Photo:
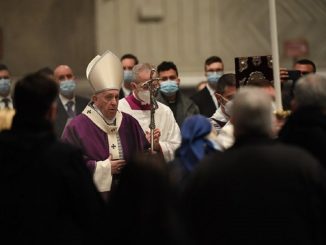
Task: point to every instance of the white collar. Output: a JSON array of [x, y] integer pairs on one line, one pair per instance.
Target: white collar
[[108, 121], [64, 100]]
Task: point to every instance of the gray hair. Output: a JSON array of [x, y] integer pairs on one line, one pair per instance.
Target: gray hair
[[251, 112], [140, 68], [310, 90]]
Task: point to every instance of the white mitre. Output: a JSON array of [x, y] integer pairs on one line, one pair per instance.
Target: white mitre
[[105, 72]]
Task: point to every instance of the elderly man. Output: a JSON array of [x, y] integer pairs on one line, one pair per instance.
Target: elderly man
[[107, 136], [69, 104], [138, 105], [258, 191], [306, 126]]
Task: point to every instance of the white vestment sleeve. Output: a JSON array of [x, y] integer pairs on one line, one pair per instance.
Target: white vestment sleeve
[[170, 138], [102, 175], [225, 136]]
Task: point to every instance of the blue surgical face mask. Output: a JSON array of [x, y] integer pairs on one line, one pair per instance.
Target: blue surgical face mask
[[67, 87], [213, 77], [4, 86], [127, 76], [169, 87]]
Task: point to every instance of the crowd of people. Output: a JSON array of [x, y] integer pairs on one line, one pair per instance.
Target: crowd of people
[[140, 161]]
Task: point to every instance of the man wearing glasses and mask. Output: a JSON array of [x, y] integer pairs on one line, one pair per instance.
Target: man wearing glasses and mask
[[205, 98], [167, 133]]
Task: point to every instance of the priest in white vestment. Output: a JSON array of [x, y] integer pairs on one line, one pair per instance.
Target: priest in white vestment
[[137, 104]]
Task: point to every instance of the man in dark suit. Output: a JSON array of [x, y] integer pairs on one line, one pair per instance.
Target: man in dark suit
[[47, 193], [258, 191], [205, 99], [128, 62], [69, 104]]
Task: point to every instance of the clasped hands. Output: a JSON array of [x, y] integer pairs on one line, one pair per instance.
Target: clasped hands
[[156, 139]]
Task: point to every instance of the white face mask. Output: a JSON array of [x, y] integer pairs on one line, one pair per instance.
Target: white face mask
[[144, 95], [227, 107]]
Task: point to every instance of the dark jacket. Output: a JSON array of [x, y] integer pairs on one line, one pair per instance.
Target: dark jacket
[[257, 192], [204, 101], [62, 115], [306, 128], [184, 107], [47, 193]]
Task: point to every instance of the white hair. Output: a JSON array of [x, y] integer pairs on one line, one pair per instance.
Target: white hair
[[310, 90], [251, 112], [140, 68]]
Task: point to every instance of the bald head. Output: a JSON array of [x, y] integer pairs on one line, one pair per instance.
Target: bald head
[[62, 73], [65, 78]]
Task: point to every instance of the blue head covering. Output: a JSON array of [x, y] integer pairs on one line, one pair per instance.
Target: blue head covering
[[194, 145]]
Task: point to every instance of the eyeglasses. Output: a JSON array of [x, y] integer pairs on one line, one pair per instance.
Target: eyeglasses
[[165, 78]]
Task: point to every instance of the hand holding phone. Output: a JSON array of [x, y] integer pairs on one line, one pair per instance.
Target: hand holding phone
[[294, 75]]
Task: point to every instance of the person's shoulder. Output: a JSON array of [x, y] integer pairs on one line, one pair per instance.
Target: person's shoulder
[[128, 117], [200, 94], [79, 121], [279, 154], [6, 136], [123, 103], [162, 106], [61, 152], [296, 151], [123, 100], [186, 100], [63, 147]]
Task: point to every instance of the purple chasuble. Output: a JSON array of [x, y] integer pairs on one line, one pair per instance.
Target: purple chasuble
[[93, 141]]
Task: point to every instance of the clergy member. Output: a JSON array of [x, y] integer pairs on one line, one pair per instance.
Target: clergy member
[[138, 105], [107, 136]]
